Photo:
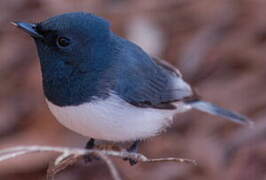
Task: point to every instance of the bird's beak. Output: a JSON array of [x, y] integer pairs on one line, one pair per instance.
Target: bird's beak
[[28, 28]]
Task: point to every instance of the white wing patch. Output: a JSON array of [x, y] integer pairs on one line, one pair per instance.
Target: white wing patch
[[114, 119]]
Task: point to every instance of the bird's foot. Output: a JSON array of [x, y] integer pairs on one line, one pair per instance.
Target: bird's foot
[[133, 148], [91, 145], [90, 157]]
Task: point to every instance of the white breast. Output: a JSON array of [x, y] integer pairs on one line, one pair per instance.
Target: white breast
[[114, 119]]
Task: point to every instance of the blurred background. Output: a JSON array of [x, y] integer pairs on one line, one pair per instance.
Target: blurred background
[[220, 46]]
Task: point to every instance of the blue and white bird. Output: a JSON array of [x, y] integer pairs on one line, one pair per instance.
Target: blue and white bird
[[105, 87]]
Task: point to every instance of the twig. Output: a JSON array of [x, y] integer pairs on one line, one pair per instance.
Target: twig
[[54, 168], [69, 156], [110, 165]]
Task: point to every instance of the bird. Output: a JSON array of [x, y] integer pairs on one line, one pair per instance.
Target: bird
[[105, 87]]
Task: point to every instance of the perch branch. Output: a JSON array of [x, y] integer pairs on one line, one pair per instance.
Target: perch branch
[[69, 156]]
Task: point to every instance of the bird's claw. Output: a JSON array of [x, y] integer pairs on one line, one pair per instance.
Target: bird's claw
[[89, 158], [132, 162], [133, 148]]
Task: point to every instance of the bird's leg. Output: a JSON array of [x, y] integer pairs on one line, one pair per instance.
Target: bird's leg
[[90, 145], [133, 148]]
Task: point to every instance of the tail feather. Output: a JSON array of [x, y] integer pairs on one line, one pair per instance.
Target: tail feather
[[218, 111]]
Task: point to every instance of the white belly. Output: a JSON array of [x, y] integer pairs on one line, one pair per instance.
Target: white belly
[[114, 119]]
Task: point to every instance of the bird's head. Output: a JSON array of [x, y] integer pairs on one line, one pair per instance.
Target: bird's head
[[74, 52], [67, 42]]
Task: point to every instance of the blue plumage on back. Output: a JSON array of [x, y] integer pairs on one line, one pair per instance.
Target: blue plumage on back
[[143, 82]]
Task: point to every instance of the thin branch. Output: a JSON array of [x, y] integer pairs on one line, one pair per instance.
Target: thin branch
[[69, 156], [12, 155], [110, 165], [54, 168]]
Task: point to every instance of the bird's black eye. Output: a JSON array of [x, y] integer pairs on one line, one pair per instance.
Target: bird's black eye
[[62, 41]]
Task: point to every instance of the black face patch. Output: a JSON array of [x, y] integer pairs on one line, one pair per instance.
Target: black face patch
[[49, 35]]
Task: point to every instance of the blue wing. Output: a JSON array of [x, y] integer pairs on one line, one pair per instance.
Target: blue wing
[[148, 82]]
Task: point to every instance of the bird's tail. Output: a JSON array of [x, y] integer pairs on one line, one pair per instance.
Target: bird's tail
[[219, 111]]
